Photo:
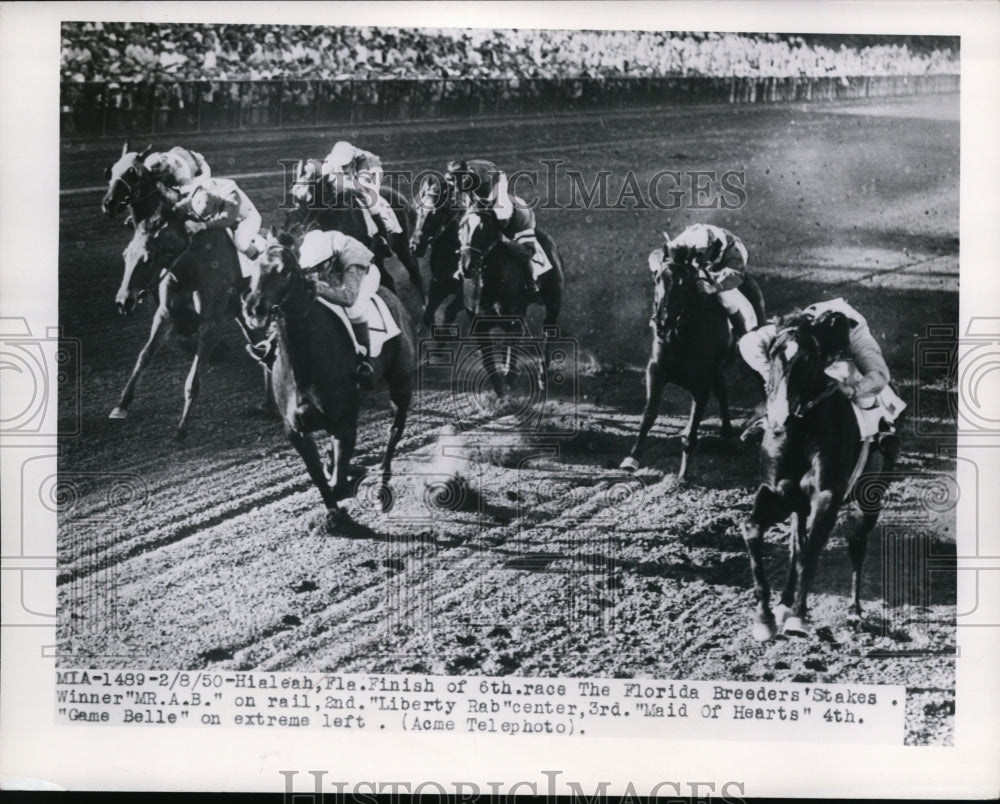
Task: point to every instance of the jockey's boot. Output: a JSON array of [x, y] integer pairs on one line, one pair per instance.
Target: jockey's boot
[[262, 352], [753, 433], [888, 441], [738, 324], [364, 371]]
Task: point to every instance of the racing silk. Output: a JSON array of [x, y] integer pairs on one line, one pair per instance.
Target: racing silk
[[872, 374], [863, 349], [487, 185], [225, 204], [718, 251], [178, 167], [347, 276], [362, 163]]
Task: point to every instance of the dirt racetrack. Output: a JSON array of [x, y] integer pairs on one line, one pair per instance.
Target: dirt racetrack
[[550, 562]]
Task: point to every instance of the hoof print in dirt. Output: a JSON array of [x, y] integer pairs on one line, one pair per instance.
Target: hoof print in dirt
[[290, 621], [216, 655], [304, 586]]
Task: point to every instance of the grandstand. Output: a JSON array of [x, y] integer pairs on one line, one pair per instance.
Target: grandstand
[[176, 77]]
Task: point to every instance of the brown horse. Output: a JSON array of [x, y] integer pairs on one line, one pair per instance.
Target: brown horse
[[495, 287], [436, 228], [811, 447], [195, 278], [313, 375], [319, 205], [691, 342]]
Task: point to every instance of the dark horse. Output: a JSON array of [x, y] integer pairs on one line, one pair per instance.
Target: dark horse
[[436, 227], [313, 375], [495, 284], [812, 445], [195, 277], [319, 205], [691, 342]]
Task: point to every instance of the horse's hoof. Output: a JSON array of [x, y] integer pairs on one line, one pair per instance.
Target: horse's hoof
[[630, 464], [118, 413], [796, 626], [181, 434], [782, 613], [386, 497], [764, 631]]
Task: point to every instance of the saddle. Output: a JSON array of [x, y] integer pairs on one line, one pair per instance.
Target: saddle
[[382, 327]]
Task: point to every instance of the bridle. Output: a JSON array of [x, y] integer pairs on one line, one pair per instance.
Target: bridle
[[131, 198], [804, 407]]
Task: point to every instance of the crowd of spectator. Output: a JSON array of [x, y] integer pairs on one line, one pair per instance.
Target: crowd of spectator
[[133, 52]]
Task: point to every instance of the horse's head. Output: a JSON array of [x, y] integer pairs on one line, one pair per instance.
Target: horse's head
[[128, 180], [277, 269], [795, 374], [431, 199], [675, 281], [478, 233], [152, 248], [307, 176]]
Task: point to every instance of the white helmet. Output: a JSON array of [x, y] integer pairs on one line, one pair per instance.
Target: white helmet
[[342, 155], [316, 248]]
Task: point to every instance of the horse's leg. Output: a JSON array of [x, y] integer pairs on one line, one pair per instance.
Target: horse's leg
[[208, 337], [722, 395], [401, 247], [768, 508], [400, 394], [655, 382], [305, 445], [689, 437], [796, 544], [822, 517], [857, 540], [550, 287], [435, 295], [157, 333], [457, 304], [344, 439], [488, 353]]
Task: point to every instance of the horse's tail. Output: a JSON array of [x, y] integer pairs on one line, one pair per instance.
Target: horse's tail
[[552, 251], [752, 291]]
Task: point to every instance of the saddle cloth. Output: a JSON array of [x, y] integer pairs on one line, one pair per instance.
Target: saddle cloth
[[868, 411], [540, 263], [381, 325]]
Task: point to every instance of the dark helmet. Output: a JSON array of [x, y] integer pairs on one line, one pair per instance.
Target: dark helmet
[[833, 332]]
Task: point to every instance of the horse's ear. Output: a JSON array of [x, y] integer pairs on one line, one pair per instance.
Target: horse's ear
[[274, 232], [125, 149], [146, 152], [107, 172]]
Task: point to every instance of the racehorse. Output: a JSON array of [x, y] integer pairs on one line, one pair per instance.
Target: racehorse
[[691, 342], [812, 449], [319, 205], [436, 228], [495, 287], [194, 277], [313, 374]]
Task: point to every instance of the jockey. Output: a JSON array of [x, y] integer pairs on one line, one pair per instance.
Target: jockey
[[177, 167], [346, 276], [215, 203], [721, 259], [843, 334], [353, 168], [487, 187]]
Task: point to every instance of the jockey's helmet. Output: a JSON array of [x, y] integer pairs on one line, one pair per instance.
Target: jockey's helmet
[[342, 155], [316, 248]]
